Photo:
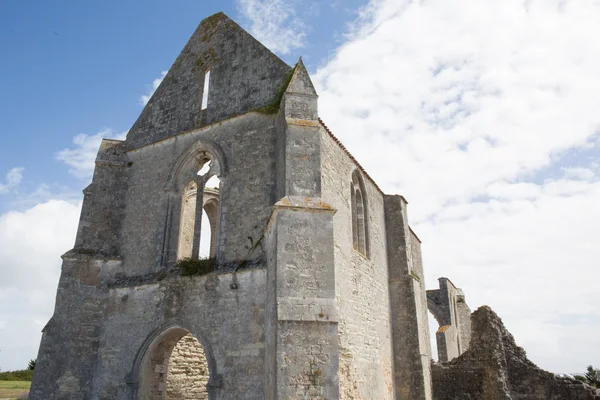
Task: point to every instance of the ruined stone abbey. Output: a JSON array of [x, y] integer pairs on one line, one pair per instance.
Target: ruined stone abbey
[[232, 248]]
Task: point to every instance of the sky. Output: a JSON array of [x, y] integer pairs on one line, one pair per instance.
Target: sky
[[485, 116]]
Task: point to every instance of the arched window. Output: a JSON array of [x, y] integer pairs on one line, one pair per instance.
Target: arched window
[[198, 239], [360, 220]]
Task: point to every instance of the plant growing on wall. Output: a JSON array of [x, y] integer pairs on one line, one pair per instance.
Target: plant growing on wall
[[192, 267]]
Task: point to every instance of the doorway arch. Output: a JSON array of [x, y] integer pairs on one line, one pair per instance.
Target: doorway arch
[[174, 364]]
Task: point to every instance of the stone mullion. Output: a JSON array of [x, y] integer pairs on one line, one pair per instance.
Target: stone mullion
[[200, 182]]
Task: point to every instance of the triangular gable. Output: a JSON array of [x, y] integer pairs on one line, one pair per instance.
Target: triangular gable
[[300, 82], [244, 75]]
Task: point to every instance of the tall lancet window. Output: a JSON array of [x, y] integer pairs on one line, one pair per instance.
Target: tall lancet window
[[360, 220], [199, 218], [205, 90]]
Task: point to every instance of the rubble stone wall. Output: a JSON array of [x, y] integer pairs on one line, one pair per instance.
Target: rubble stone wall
[[188, 371], [495, 368]]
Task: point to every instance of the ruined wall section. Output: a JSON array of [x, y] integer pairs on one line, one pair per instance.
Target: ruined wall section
[[361, 283], [246, 194], [104, 202], [68, 349], [463, 314], [448, 306], [495, 368], [244, 75], [224, 311]]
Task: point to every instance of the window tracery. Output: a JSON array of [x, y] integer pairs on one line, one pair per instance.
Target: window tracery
[[200, 200]]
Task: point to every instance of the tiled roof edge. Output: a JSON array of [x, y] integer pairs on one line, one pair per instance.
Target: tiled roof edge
[[335, 139]]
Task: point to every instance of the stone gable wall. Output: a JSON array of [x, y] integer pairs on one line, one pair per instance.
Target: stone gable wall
[[243, 75]]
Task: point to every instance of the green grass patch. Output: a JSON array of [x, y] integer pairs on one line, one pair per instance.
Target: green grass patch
[[14, 389], [193, 267], [18, 385]]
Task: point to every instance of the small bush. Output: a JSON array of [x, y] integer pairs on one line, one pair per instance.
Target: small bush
[[20, 375], [200, 266]]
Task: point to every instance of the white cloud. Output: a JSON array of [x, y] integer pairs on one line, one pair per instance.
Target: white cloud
[[13, 179], [467, 109], [81, 159], [275, 23], [31, 243], [145, 98]]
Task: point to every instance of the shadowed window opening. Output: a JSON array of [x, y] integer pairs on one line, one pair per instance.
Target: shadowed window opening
[[205, 90], [360, 220]]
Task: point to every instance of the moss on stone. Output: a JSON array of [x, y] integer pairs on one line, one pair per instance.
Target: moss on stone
[[196, 266], [415, 276], [210, 24], [274, 106]]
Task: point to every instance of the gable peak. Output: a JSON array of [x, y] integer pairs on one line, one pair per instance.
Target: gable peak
[[300, 82]]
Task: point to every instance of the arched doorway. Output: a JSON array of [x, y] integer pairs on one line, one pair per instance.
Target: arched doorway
[[174, 367]]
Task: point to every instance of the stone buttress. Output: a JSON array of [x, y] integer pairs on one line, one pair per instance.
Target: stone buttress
[[71, 339], [408, 305], [301, 317]]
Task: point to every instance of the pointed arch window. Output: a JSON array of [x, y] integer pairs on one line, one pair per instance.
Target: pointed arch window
[[200, 202], [360, 220]]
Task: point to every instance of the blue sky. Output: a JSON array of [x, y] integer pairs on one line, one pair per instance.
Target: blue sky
[[74, 67], [484, 116]]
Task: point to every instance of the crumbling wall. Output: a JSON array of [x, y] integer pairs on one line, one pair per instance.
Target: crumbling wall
[[448, 306], [495, 368], [188, 371]]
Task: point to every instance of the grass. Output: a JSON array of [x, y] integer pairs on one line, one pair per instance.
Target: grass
[[13, 389]]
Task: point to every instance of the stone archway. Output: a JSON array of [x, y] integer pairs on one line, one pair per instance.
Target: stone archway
[[175, 367]]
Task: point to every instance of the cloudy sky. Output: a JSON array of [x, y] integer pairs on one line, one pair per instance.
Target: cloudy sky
[[485, 116]]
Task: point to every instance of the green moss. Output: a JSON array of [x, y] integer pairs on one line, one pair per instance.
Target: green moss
[[314, 375], [87, 252], [209, 25], [415, 276], [193, 266], [274, 106]]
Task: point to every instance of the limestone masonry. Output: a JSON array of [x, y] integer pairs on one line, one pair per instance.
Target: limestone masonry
[[314, 285]]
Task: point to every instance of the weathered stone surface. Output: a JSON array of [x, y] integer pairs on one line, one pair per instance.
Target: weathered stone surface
[[495, 368]]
